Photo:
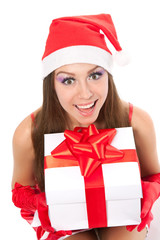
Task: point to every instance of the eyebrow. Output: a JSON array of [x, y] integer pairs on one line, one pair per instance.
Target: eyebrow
[[69, 73]]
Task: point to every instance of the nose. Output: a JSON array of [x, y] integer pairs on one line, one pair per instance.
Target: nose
[[85, 91]]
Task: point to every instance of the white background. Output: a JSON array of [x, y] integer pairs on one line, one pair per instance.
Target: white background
[[23, 31]]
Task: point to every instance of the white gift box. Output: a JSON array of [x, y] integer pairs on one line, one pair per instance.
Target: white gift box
[[65, 188]]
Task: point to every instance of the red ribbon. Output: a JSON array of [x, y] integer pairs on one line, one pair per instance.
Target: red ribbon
[[89, 149]]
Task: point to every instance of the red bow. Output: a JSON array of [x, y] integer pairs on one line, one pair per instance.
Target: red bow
[[86, 147], [91, 148]]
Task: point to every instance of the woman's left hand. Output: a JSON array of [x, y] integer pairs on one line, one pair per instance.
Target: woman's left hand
[[151, 192]]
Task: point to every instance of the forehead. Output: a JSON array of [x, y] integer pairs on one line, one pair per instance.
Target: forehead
[[76, 67]]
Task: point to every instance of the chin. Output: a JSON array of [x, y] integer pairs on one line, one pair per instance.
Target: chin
[[83, 122], [86, 123]]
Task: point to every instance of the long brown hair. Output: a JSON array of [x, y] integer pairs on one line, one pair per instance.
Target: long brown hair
[[52, 119]]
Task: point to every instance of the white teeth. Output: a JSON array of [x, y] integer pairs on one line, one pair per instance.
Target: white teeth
[[86, 106]]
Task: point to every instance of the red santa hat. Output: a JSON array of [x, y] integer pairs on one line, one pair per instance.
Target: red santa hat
[[79, 39]]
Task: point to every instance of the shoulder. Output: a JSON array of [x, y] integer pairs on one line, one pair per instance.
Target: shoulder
[[141, 121], [22, 135]]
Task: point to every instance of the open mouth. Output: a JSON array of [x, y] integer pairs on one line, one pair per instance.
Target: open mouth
[[86, 108]]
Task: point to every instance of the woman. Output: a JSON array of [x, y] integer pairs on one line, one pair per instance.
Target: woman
[[78, 90]]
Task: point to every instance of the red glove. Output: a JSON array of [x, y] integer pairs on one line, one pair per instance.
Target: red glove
[[151, 192], [32, 199]]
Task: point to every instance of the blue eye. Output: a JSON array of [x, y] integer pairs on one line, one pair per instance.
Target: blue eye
[[68, 81], [95, 75]]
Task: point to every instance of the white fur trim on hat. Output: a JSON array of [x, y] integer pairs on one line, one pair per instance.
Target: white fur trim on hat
[[77, 54]]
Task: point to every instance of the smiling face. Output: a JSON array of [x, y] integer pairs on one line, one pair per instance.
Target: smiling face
[[82, 90]]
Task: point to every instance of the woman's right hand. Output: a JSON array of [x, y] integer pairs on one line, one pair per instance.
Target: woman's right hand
[[42, 209]]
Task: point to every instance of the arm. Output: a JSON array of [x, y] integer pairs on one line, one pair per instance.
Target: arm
[[145, 140], [25, 194], [23, 154], [150, 168]]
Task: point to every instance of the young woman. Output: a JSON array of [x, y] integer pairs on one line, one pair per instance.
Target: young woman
[[78, 90]]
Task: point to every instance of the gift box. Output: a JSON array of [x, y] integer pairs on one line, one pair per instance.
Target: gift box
[[92, 178]]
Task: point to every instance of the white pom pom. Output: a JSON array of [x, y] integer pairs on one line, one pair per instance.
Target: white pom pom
[[122, 58]]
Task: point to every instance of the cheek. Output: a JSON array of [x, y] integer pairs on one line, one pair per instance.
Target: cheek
[[63, 96], [59, 92]]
